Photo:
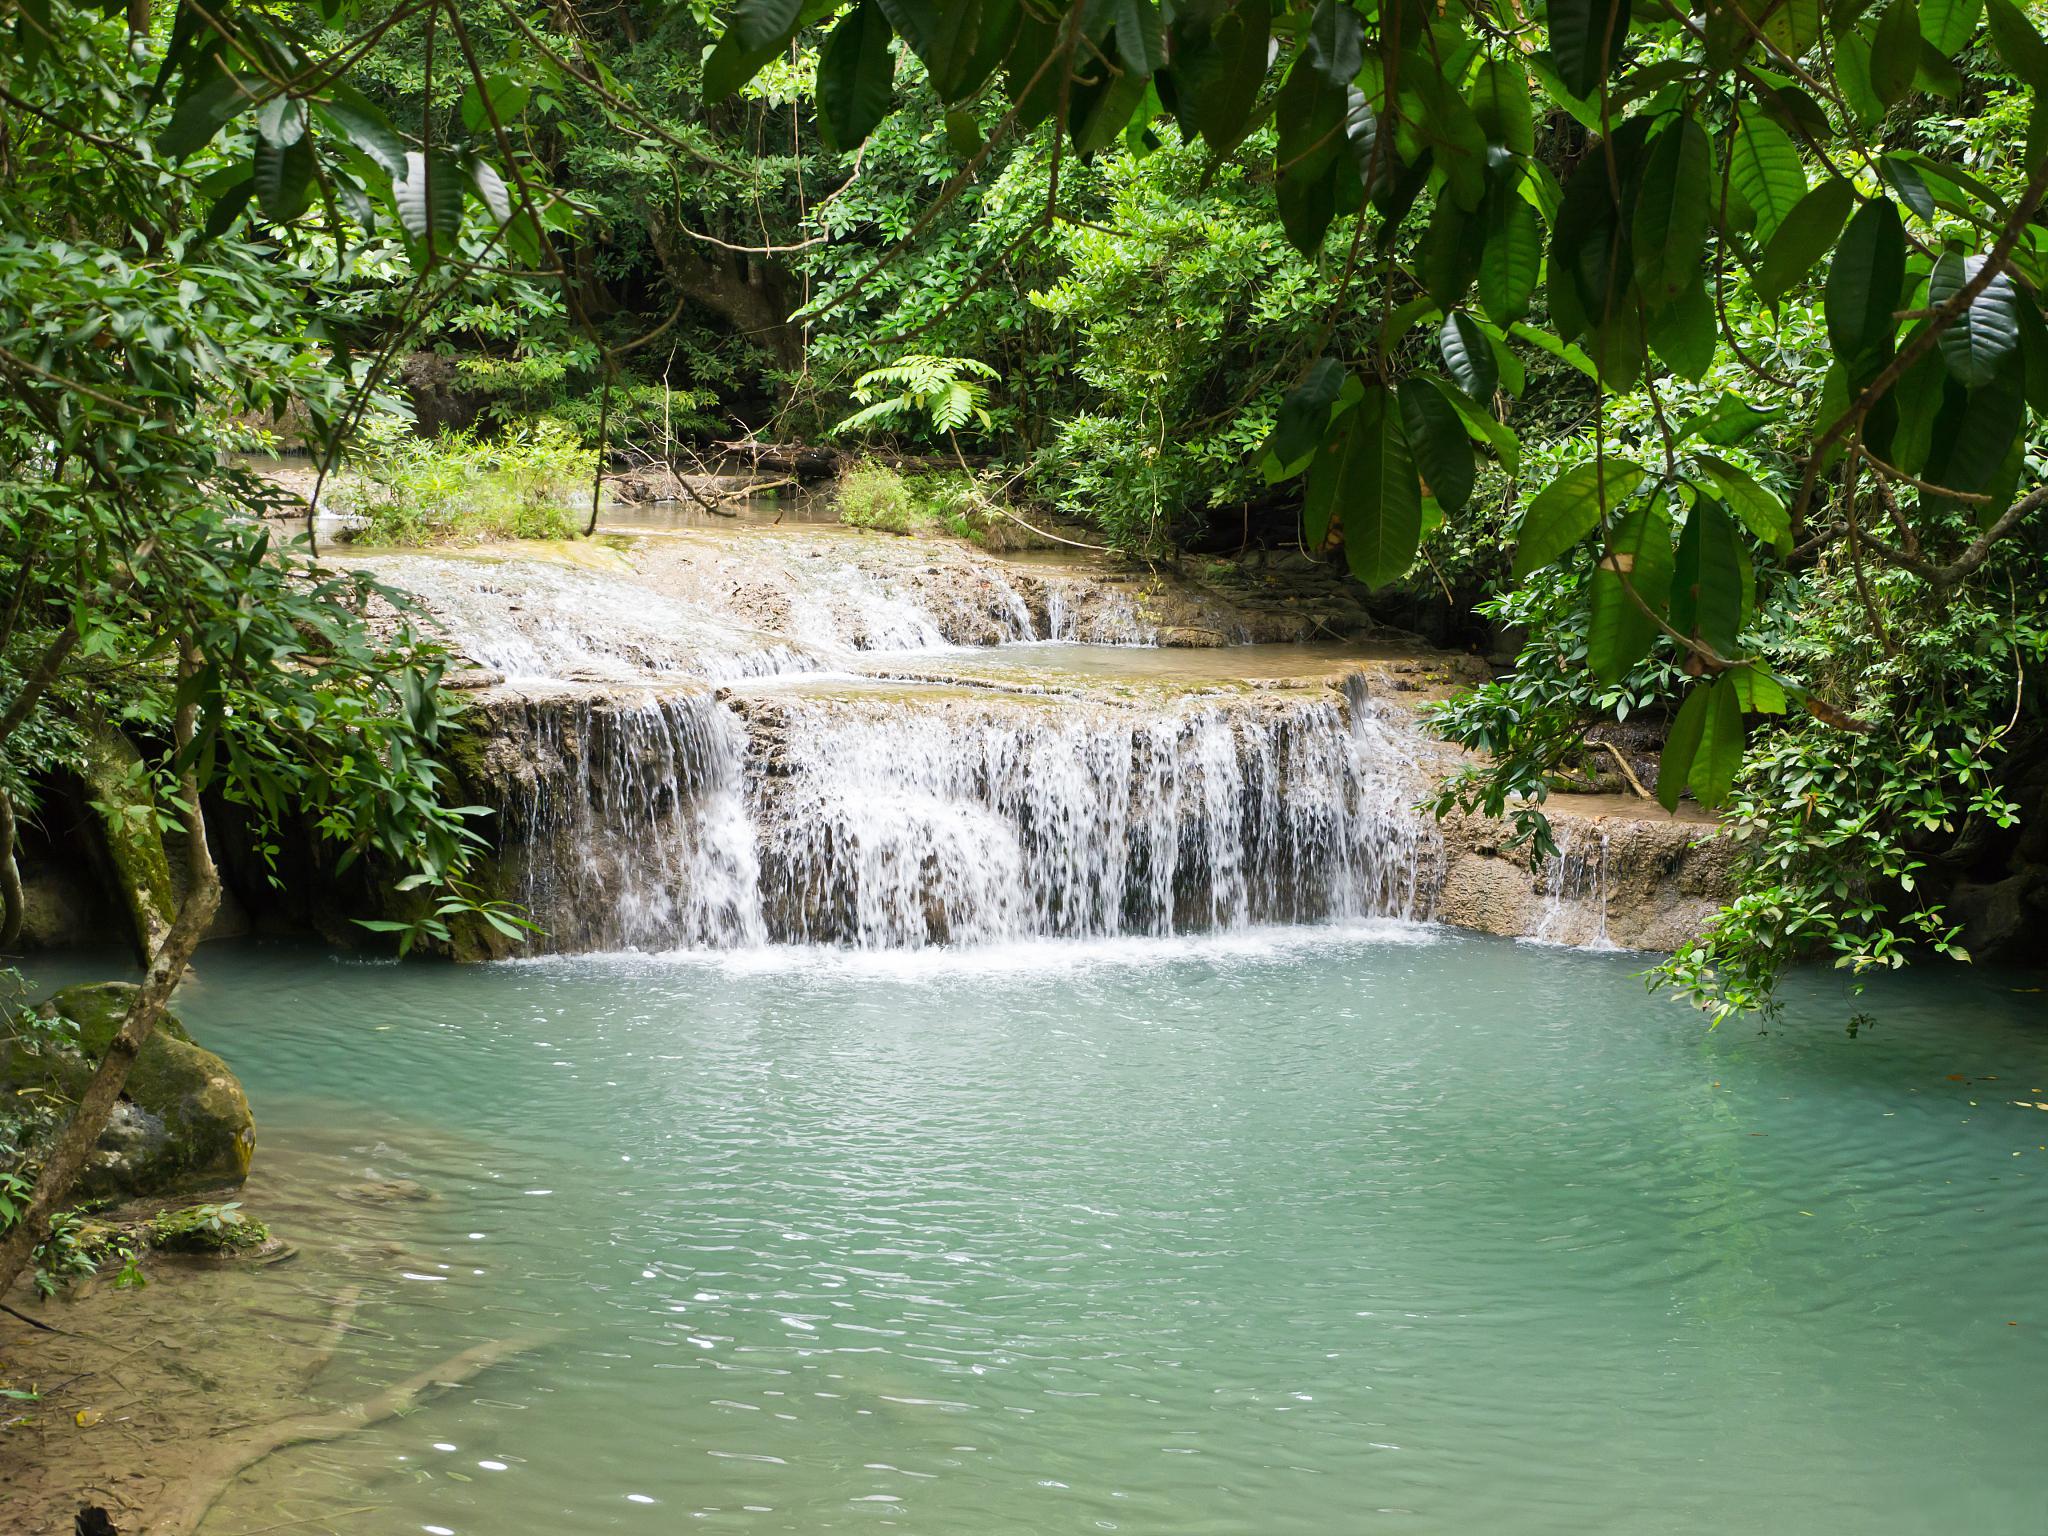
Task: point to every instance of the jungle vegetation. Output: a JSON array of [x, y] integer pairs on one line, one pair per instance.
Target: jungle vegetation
[[1698, 348]]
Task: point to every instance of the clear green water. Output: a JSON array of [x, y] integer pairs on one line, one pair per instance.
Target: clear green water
[[1286, 1233]]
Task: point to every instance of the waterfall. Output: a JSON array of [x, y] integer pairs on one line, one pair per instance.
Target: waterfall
[[1576, 877], [633, 830], [669, 823], [731, 759]]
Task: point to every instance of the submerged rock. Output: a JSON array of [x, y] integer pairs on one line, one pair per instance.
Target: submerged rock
[[183, 1121]]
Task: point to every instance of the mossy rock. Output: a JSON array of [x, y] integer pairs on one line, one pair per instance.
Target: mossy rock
[[183, 1122]]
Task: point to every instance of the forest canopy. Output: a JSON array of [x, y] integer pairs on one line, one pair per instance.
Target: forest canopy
[[1694, 355]]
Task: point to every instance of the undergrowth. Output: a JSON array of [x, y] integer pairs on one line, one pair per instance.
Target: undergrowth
[[531, 481]]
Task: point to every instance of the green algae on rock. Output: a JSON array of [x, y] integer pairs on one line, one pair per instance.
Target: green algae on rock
[[183, 1121]]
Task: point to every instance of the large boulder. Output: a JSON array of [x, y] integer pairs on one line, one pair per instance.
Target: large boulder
[[183, 1122]]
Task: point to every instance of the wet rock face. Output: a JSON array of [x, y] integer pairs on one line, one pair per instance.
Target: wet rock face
[[1624, 877], [183, 1122]]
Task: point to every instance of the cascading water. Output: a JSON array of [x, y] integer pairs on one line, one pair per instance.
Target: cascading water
[[1576, 879], [633, 829], [644, 806], [971, 821]]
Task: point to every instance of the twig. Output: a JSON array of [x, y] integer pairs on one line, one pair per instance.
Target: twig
[[1627, 772]]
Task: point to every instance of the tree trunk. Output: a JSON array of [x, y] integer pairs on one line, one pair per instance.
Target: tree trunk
[[167, 968], [10, 876]]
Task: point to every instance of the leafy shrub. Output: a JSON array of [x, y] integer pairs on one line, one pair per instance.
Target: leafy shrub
[[460, 488], [876, 497], [207, 1229]]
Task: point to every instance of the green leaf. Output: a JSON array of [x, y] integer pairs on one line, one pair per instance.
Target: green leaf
[[1673, 209], [1219, 77], [1500, 102], [1585, 36], [2018, 43], [1512, 259], [1438, 442], [1569, 508], [1852, 75], [1974, 432], [1728, 421], [1468, 355], [1304, 414], [282, 121], [209, 100], [1449, 253], [1764, 166], [1756, 691], [1894, 50], [1683, 332], [1805, 236], [757, 31], [1707, 586], [363, 123], [497, 104], [1950, 24], [429, 199], [1762, 513], [1619, 634], [1719, 753], [968, 38], [856, 76], [284, 178], [1863, 287], [1681, 746], [1370, 482], [1987, 332]]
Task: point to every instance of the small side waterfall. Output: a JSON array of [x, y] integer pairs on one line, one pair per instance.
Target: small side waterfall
[[1575, 894]]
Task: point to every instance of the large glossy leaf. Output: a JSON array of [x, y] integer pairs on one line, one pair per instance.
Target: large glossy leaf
[[2017, 42], [1370, 483], [1585, 36], [967, 39], [856, 76], [1512, 259], [1987, 331], [1673, 208], [1949, 25], [1718, 755], [1569, 508], [1894, 51], [209, 99], [1681, 745], [1619, 633], [429, 199], [1218, 70], [284, 177], [365, 125], [755, 32], [1974, 431], [1863, 287], [1762, 513], [1438, 442], [1683, 332], [1728, 421], [1764, 166], [1805, 236], [1709, 581], [1468, 356], [1304, 414], [1500, 103]]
